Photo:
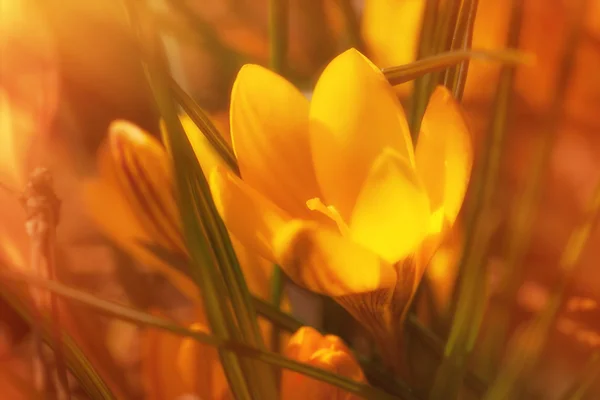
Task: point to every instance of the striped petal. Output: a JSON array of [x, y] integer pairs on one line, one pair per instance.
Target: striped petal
[[143, 173], [132, 201]]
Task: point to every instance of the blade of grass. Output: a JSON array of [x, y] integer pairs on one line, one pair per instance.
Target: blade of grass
[[199, 117], [426, 49], [527, 348], [439, 62], [188, 177], [144, 319], [522, 217], [471, 292], [279, 38], [278, 34], [455, 78]]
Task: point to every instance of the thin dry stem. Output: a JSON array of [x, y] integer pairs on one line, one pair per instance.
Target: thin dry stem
[[42, 208]]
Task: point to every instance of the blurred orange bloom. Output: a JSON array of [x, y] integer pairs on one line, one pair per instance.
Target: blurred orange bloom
[[327, 352], [135, 179]]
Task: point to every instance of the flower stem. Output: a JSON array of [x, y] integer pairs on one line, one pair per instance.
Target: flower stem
[[279, 34]]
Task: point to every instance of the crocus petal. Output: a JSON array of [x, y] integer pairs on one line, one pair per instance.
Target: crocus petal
[[328, 353], [354, 115], [143, 173], [444, 154], [303, 344], [269, 127], [327, 263], [248, 215], [392, 210]]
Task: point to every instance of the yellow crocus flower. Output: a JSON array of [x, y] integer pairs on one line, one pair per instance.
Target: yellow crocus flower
[[333, 191]]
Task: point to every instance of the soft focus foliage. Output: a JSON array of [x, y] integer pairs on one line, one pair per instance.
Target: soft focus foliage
[[331, 187]]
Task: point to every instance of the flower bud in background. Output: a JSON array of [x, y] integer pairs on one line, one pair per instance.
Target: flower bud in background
[[327, 352]]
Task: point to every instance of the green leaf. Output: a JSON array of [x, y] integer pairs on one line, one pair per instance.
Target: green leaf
[[278, 34], [439, 62], [440, 26], [203, 122], [456, 78]]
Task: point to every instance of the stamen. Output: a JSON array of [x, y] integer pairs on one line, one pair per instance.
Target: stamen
[[331, 212]]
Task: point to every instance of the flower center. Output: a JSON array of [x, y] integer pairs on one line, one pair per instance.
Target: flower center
[[331, 212]]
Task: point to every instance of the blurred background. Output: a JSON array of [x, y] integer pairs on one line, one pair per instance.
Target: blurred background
[[88, 59]]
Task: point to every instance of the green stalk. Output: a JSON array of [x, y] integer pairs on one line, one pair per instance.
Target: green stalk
[[441, 41], [439, 62], [471, 294], [455, 78], [279, 38], [522, 217], [426, 49], [279, 34], [208, 129]]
